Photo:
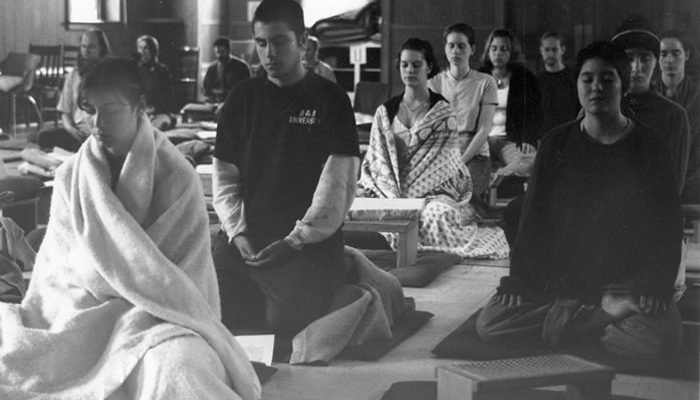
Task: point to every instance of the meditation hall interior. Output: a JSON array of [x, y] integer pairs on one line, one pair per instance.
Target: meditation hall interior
[[350, 199]]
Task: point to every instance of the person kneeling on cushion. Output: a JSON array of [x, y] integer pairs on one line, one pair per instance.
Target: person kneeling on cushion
[[597, 253]]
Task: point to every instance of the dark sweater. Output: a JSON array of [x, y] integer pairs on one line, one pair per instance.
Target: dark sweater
[[595, 215], [669, 121], [685, 92], [559, 97], [157, 85], [523, 111], [691, 191], [234, 70]]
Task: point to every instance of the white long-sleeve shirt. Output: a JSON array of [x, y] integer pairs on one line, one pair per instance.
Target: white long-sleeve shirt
[[331, 201]]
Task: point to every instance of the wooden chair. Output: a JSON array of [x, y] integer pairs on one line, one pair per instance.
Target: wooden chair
[[48, 79], [69, 57], [16, 80]]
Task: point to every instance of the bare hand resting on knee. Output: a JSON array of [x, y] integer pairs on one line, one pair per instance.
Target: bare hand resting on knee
[[244, 247], [276, 252], [621, 306]]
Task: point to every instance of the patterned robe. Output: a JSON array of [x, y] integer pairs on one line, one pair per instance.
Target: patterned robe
[[431, 167]]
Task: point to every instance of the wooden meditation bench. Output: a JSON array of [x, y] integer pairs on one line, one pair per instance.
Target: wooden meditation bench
[[389, 215], [501, 379]]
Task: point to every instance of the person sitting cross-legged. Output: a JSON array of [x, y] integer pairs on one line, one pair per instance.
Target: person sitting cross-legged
[[312, 63], [473, 97], [224, 73], [123, 302], [157, 83], [414, 153], [77, 124], [597, 253]]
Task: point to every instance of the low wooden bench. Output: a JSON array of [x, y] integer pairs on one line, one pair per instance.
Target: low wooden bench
[[408, 236], [501, 379], [389, 215]]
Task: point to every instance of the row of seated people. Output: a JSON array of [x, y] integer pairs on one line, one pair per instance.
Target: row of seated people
[[126, 268], [221, 76]]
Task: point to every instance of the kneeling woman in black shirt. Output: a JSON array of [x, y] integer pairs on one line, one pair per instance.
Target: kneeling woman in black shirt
[[598, 251]]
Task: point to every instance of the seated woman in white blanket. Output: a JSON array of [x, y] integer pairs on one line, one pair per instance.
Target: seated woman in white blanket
[[414, 153], [123, 302]]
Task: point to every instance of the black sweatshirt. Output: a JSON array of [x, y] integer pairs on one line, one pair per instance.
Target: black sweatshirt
[[280, 138], [595, 215]]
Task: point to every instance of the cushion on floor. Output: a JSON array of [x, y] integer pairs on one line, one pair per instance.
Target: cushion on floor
[[464, 343], [427, 390], [427, 267], [410, 322]]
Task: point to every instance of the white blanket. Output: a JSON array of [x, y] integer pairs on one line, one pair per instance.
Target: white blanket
[[360, 313], [119, 272]]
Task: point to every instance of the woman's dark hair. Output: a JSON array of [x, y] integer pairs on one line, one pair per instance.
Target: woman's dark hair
[[513, 45], [462, 28], [102, 42], [424, 47], [116, 74], [287, 11], [151, 44], [611, 54], [681, 36]]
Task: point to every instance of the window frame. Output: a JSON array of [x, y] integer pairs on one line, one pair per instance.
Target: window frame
[[82, 25]]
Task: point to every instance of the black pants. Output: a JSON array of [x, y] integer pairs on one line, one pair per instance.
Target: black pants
[[637, 335], [286, 297]]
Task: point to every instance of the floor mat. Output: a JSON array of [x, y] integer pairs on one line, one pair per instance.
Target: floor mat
[[427, 267], [409, 324], [464, 343], [427, 390]]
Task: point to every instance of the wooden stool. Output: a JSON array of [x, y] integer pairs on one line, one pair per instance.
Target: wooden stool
[[501, 379], [408, 236], [389, 215]]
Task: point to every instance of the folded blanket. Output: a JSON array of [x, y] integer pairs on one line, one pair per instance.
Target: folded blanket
[[360, 313], [119, 272], [27, 168], [41, 159]]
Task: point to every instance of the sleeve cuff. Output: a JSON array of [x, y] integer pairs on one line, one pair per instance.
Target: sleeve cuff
[[295, 240]]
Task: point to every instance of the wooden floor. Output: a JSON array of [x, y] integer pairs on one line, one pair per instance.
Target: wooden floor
[[452, 297]]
